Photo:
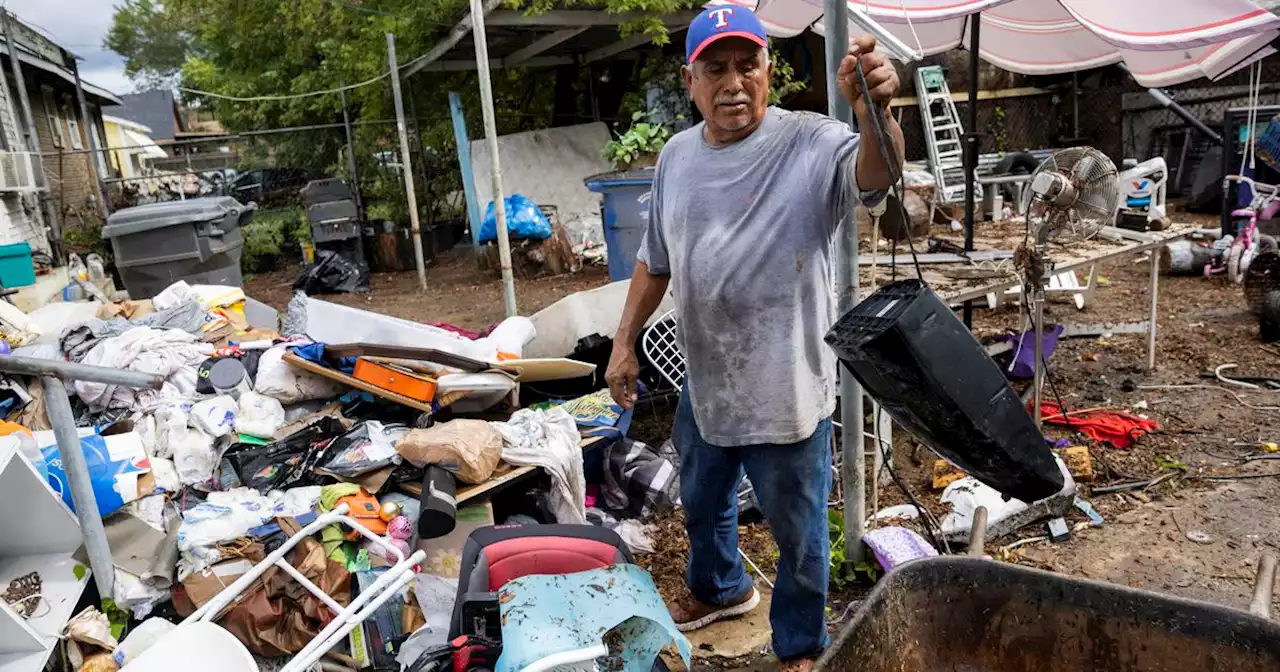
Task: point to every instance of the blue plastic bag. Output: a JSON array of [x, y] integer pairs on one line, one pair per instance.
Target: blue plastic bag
[[524, 220]]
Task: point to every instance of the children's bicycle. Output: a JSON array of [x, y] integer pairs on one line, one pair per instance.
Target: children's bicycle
[[1247, 243]]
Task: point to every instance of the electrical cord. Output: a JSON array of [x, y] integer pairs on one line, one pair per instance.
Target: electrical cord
[[888, 154], [935, 532]]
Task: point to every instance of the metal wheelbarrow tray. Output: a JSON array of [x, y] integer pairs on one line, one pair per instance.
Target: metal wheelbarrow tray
[[962, 614]]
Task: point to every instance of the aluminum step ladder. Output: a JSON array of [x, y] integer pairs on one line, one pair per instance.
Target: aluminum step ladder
[[943, 133]]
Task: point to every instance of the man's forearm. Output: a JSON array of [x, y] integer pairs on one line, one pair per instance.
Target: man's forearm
[[873, 174], [643, 298]]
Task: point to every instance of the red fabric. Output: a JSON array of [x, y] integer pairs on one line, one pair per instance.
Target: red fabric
[[522, 556], [465, 333], [1117, 428]]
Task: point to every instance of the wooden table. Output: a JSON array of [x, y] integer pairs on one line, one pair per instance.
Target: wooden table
[[991, 272]]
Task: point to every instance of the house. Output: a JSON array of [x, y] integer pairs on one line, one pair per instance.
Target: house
[[130, 147], [49, 174], [193, 140]]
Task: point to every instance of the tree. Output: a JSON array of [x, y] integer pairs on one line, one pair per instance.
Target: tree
[[154, 41]]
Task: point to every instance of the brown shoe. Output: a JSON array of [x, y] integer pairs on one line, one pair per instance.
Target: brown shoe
[[690, 614]]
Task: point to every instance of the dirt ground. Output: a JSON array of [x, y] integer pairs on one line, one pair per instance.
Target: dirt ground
[[1197, 534], [457, 292]]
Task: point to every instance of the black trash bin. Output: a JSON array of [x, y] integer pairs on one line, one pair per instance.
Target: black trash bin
[[197, 240]]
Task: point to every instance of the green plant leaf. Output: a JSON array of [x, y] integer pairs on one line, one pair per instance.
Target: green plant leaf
[[79, 571], [640, 114]]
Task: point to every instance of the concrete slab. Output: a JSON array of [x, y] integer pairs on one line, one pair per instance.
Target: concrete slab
[[735, 637]]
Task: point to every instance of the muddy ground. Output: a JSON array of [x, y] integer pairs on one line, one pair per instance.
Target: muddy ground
[[1229, 506]]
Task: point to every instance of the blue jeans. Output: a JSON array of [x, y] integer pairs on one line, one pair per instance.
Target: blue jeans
[[792, 483]]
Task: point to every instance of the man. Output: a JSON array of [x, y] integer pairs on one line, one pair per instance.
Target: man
[[743, 214]]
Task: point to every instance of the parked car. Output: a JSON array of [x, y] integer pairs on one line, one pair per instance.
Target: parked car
[[271, 187]]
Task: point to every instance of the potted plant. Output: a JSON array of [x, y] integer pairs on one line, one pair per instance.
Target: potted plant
[[639, 146]]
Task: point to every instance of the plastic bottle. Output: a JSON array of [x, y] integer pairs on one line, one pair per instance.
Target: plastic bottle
[[140, 639]]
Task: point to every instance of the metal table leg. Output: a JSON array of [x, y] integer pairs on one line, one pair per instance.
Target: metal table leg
[[1155, 294]]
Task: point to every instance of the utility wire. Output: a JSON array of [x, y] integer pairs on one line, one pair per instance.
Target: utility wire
[[294, 96]]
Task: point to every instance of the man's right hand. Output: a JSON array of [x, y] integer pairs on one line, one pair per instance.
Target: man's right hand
[[623, 371]]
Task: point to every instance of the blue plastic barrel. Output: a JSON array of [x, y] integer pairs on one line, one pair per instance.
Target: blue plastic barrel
[[625, 214]]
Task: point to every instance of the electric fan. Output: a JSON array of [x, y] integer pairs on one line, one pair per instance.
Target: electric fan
[[1074, 194]]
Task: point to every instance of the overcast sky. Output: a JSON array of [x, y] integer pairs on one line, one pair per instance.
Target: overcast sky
[[79, 26]]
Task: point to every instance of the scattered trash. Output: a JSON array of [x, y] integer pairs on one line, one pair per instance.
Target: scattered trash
[[1199, 537], [1003, 515], [1117, 428], [1058, 530], [1095, 518], [945, 473], [1079, 462], [903, 511], [896, 546]]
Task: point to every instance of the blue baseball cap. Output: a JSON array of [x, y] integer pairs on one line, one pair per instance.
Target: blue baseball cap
[[718, 22]]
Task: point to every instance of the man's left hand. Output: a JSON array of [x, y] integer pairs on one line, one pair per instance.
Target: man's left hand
[[882, 78]]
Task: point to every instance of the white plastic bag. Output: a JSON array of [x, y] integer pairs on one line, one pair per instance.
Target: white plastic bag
[[193, 455], [166, 474], [171, 427], [291, 385], [259, 416], [216, 416]]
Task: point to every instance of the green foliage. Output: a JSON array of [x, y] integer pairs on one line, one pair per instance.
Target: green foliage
[[1166, 463], [271, 237], [783, 83], [86, 239], [643, 139], [650, 13], [865, 571], [154, 41], [998, 128], [119, 618]]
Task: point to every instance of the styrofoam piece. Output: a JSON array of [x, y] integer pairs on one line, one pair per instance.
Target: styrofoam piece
[[1003, 517], [55, 317], [582, 314], [198, 646], [334, 323]]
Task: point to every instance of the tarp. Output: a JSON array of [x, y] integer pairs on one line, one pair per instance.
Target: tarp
[[1164, 42]]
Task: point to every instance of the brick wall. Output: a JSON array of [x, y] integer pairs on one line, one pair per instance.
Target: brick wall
[[67, 167]]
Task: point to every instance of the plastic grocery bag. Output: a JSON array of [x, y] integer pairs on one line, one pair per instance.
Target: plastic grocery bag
[[193, 455], [524, 220], [216, 416], [285, 463], [291, 385], [259, 416], [368, 446]]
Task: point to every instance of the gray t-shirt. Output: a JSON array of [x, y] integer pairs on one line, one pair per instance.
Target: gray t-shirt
[[746, 233]]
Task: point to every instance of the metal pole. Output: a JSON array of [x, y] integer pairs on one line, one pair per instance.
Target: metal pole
[[351, 153], [407, 166], [853, 464], [34, 366], [1155, 295], [1075, 105], [87, 129], [1038, 383], [63, 421], [491, 138], [971, 147]]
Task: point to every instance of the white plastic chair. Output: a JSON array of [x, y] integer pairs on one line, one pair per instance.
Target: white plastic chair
[[194, 637]]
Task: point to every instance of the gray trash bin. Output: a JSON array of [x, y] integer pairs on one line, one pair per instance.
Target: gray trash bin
[[197, 240]]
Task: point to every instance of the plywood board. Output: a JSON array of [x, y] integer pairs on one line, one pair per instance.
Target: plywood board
[[538, 370]]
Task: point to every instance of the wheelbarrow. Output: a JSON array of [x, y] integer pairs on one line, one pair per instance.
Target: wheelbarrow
[[967, 614]]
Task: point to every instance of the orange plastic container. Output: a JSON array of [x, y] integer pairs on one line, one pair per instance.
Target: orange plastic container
[[396, 379]]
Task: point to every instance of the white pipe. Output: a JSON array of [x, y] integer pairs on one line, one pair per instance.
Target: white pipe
[[555, 660]]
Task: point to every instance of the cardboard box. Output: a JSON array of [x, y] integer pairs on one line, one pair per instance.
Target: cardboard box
[[444, 554], [1079, 462]]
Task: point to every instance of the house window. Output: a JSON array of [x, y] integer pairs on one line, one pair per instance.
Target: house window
[[73, 126], [51, 114]]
